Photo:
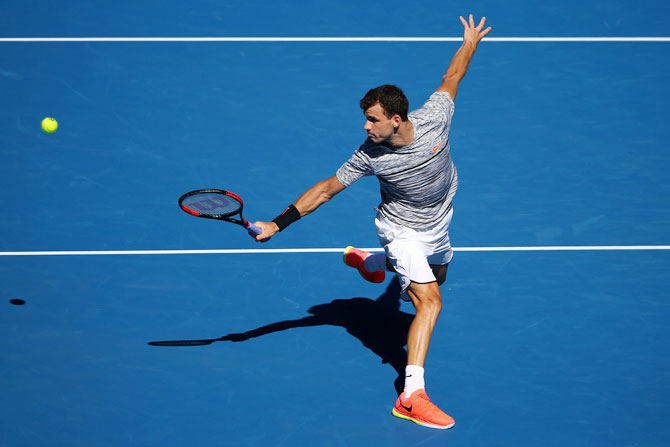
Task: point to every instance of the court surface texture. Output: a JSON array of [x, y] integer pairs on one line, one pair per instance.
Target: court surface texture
[[554, 329]]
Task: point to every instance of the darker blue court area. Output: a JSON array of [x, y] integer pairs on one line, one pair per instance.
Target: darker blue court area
[[556, 144]]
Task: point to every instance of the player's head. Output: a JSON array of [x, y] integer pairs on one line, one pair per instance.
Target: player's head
[[385, 108], [390, 97]]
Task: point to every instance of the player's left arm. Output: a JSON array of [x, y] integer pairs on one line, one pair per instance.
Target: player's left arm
[[472, 35]]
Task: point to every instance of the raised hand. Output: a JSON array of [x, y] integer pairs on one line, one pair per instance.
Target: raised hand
[[473, 34]]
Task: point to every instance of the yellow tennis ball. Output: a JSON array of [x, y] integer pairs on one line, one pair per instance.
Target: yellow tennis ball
[[49, 125]]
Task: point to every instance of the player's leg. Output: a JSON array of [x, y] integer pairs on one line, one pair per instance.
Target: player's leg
[[420, 259], [428, 303], [408, 258], [414, 404]]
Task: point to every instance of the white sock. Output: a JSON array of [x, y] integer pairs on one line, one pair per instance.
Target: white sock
[[375, 262], [413, 379]]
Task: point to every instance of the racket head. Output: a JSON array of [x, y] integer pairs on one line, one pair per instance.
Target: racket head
[[217, 204], [211, 203]]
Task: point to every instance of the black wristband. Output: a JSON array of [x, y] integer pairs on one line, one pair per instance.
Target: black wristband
[[290, 215]]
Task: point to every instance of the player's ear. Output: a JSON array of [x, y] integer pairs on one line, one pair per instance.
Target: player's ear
[[396, 122]]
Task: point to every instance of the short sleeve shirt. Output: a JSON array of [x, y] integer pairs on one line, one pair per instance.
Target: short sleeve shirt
[[417, 182]]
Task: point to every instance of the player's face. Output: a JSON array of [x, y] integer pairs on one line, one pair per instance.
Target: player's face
[[378, 126]]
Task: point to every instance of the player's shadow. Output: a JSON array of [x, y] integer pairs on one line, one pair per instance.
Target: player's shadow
[[379, 324]]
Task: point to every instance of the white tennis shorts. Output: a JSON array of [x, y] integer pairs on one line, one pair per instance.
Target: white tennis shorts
[[410, 252]]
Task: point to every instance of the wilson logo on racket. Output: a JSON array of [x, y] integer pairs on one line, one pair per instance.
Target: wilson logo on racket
[[211, 204]]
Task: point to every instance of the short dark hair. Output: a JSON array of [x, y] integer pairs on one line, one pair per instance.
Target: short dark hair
[[390, 97]]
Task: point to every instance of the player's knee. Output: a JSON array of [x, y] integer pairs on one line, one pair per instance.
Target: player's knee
[[428, 298], [431, 305], [434, 302]]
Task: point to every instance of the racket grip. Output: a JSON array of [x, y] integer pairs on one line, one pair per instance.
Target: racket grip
[[254, 230]]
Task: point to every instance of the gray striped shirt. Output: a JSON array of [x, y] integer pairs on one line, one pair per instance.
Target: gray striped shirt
[[418, 181]]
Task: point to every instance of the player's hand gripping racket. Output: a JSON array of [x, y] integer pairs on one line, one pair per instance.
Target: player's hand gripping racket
[[217, 204]]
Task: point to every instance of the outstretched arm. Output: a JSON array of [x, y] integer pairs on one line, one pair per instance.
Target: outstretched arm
[[459, 64], [308, 202]]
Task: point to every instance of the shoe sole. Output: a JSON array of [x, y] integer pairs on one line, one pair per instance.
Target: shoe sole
[[422, 423]]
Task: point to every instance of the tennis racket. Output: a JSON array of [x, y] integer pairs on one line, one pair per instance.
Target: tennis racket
[[217, 204]]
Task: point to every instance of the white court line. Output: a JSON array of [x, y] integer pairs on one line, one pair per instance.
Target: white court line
[[323, 250], [330, 39]]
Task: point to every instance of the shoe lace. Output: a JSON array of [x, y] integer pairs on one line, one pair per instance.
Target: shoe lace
[[424, 404]]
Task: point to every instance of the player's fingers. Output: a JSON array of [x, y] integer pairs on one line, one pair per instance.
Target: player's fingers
[[472, 21], [260, 237], [485, 32], [481, 24], [465, 24]]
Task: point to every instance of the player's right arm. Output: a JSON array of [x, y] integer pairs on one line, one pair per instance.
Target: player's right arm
[[307, 203], [459, 64]]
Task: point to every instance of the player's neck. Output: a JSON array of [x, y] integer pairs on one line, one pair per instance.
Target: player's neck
[[404, 136]]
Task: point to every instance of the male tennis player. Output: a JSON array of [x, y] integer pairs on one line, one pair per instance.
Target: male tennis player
[[410, 155]]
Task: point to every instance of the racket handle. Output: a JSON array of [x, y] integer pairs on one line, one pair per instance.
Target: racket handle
[[254, 230]]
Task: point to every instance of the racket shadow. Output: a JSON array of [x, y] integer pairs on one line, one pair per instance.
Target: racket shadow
[[378, 324]]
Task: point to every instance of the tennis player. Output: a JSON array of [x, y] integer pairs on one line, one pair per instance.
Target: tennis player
[[410, 155]]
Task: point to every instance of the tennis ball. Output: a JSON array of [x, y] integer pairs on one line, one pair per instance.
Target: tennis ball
[[49, 125]]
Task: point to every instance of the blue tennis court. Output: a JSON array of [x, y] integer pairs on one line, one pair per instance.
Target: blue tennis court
[[554, 328]]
